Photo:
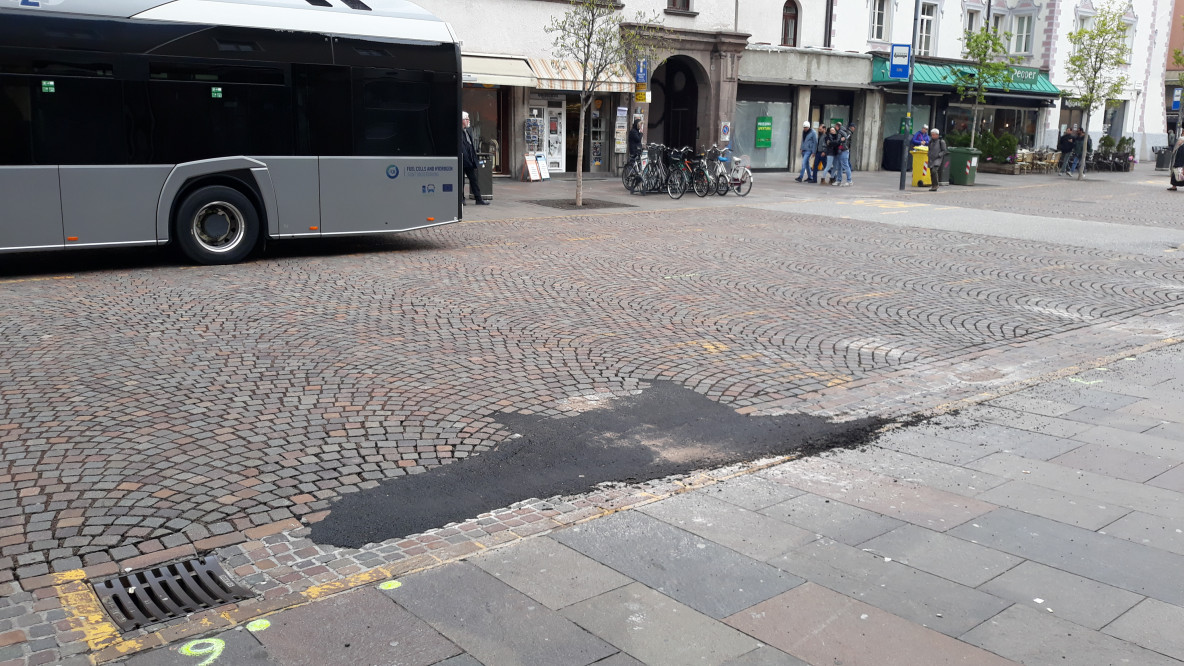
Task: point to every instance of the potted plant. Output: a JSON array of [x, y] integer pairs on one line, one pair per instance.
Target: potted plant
[[1126, 152]]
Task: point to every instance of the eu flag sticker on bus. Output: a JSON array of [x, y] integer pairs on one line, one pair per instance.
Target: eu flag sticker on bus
[[216, 92], [898, 63], [47, 87]]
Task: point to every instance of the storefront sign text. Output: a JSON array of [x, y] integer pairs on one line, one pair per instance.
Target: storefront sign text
[[764, 132]]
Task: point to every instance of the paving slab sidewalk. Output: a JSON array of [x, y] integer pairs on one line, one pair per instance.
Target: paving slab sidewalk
[[943, 552]]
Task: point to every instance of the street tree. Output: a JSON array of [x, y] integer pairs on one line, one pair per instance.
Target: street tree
[[600, 40], [1095, 66], [988, 65]]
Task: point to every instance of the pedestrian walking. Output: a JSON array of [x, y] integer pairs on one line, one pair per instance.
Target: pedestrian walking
[[819, 154], [809, 146], [1177, 168], [937, 157], [635, 142], [832, 153], [846, 140], [1065, 147], [920, 137], [468, 153]]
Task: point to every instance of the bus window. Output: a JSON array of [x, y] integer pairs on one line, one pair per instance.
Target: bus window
[[77, 121], [16, 146], [394, 118], [323, 124]]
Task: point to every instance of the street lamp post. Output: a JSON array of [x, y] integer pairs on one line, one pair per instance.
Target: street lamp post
[[904, 148]]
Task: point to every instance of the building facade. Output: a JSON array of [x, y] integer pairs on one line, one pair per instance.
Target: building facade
[[735, 63]]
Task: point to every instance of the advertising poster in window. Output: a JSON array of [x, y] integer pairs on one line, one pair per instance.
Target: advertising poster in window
[[621, 131], [764, 131]]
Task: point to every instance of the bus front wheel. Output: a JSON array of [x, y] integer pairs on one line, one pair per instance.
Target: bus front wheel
[[216, 224]]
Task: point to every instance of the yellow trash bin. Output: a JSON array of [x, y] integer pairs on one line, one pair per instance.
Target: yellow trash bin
[[921, 166]]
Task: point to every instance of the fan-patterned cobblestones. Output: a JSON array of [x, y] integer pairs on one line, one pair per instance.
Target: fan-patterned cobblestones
[[144, 411]]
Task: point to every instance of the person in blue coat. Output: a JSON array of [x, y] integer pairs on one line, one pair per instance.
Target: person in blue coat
[[921, 138], [809, 146]]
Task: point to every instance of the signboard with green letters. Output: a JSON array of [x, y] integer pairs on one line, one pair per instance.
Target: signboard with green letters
[[764, 132]]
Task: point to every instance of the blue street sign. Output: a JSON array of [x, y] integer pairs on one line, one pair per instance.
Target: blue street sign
[[642, 75], [898, 61], [1176, 99]]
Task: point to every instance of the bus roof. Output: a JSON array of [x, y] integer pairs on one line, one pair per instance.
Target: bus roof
[[384, 19]]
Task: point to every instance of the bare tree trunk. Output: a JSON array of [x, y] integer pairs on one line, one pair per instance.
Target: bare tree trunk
[[1084, 145], [580, 160], [973, 124]]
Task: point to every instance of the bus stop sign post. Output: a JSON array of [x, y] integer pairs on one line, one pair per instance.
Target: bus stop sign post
[[904, 147]]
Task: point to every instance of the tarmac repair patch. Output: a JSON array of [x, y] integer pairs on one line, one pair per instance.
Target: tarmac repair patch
[[667, 429]]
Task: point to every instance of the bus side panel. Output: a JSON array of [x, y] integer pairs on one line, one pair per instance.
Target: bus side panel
[[297, 192], [111, 204], [377, 194], [32, 208]]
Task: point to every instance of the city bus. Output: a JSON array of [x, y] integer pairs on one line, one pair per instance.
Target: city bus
[[215, 125]]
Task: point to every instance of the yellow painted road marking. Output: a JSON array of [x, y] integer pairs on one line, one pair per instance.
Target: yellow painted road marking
[[38, 279]]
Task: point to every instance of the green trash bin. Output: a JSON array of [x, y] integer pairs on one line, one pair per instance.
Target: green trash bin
[[963, 165]]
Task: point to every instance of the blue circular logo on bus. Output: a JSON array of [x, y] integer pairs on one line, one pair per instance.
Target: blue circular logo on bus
[[392, 172]]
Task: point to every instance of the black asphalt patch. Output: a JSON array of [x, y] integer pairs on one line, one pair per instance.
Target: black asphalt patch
[[667, 429], [570, 204]]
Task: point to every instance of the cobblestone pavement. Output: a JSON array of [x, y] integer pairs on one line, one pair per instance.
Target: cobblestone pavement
[[150, 413]]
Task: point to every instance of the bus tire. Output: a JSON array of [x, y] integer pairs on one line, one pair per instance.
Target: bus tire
[[216, 224]]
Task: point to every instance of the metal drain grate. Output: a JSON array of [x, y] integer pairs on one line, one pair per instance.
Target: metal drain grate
[[169, 591]]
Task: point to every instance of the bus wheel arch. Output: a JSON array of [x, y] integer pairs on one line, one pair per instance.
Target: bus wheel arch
[[217, 220]]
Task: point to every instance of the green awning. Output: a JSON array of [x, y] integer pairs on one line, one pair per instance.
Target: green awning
[[1025, 81]]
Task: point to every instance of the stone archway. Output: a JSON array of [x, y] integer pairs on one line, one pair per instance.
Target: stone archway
[[679, 85]]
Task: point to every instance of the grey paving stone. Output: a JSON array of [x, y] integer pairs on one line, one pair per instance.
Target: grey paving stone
[[228, 647], [1025, 402], [915, 469], [997, 437], [1116, 462], [765, 655], [752, 492], [711, 579], [1054, 504], [1160, 407], [1172, 431], [619, 659], [941, 555], [1031, 637], [836, 520], [658, 630], [1051, 426], [463, 660], [549, 572], [926, 441], [1147, 571], [1135, 442], [1173, 479], [1153, 625], [1110, 419], [1081, 600], [753, 534], [1102, 489], [358, 627], [494, 622], [1148, 530], [899, 589], [1096, 398], [821, 626]]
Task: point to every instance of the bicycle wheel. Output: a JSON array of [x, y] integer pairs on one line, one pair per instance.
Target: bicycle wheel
[[702, 183], [631, 179], [722, 185], [676, 185], [742, 183], [627, 175]]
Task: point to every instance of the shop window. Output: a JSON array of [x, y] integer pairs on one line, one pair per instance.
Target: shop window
[[879, 32], [789, 24], [1022, 37], [679, 5], [927, 29]]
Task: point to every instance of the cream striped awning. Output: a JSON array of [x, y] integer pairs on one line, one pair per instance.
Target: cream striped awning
[[566, 75]]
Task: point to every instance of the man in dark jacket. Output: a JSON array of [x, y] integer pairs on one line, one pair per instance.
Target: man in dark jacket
[[809, 147], [1065, 146], [468, 160], [937, 157], [635, 142]]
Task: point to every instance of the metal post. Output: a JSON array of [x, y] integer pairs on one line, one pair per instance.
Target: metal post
[[904, 149]]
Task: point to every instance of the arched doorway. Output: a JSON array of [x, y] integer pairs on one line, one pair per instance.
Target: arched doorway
[[677, 112]]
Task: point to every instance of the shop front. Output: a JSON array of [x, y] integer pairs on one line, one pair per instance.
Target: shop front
[[764, 127], [553, 111], [1018, 109], [490, 92]]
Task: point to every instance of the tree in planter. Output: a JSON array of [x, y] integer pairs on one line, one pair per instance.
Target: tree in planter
[[1093, 68], [987, 66], [591, 33]]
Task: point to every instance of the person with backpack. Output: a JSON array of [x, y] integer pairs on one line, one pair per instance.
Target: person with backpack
[[809, 147], [846, 140], [832, 154], [938, 151]]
